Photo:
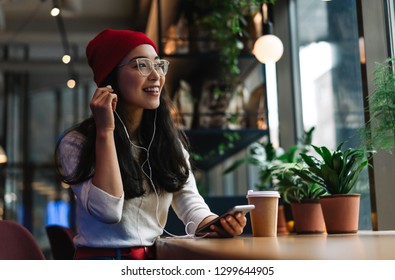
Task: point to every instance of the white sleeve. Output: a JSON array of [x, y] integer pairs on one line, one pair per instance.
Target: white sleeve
[[98, 203], [189, 205], [69, 152], [95, 201]]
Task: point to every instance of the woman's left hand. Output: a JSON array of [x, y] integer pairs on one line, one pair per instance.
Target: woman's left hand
[[231, 225]]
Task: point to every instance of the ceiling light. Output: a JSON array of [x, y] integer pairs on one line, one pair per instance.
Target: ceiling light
[[66, 59], [71, 83], [55, 11], [268, 48]]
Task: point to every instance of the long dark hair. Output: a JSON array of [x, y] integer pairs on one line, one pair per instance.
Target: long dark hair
[[170, 169]]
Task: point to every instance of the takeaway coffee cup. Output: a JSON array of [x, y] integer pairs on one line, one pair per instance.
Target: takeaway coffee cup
[[264, 216]]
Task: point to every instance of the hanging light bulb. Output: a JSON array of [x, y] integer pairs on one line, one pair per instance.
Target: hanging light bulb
[[55, 11], [268, 47], [66, 59], [71, 83]]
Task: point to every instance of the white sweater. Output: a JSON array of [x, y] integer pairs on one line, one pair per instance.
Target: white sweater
[[107, 221]]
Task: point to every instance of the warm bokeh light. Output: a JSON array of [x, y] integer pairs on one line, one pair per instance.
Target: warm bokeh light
[[55, 12], [66, 59], [268, 48], [71, 83], [3, 156]]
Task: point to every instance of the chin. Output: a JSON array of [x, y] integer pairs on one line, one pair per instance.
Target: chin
[[152, 106]]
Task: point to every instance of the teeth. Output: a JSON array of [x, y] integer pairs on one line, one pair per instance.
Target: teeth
[[152, 89]]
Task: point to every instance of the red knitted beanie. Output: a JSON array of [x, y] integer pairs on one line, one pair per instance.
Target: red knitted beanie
[[109, 47]]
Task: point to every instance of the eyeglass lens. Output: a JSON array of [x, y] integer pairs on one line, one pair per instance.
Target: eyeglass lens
[[145, 66]]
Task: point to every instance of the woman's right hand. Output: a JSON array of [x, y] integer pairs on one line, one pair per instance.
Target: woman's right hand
[[103, 104]]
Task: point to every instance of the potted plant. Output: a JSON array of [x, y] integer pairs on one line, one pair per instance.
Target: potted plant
[[270, 161], [303, 197], [337, 172]]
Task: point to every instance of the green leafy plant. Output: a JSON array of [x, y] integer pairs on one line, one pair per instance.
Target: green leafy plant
[[225, 22], [303, 191], [379, 132], [292, 187], [263, 155], [273, 162], [337, 172], [230, 139]]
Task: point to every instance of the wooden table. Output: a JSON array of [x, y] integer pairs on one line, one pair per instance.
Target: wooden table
[[364, 245]]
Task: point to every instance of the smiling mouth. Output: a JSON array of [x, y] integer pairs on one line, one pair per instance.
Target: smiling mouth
[[152, 89]]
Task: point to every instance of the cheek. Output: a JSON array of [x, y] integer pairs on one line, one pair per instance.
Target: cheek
[[127, 83], [162, 82]]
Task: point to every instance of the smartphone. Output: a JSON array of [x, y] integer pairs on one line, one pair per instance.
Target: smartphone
[[205, 230]]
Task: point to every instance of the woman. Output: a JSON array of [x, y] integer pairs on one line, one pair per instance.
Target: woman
[[128, 164]]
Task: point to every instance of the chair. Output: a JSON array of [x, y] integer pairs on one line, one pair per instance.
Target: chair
[[61, 242], [17, 243]]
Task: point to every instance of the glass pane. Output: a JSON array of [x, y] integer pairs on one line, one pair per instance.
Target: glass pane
[[13, 205], [75, 105], [331, 83], [51, 204], [68, 109], [14, 124], [42, 125]]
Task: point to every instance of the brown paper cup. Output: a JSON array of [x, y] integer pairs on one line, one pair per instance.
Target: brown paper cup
[[264, 216]]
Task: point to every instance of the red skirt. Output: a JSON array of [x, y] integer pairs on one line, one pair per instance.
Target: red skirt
[[132, 253]]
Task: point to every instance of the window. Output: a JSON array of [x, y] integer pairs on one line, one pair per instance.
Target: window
[[330, 79]]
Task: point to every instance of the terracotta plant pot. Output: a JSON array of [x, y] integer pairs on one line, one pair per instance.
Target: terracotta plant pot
[[281, 220], [308, 217], [341, 212]]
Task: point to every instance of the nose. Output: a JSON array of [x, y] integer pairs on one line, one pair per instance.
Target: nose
[[154, 75]]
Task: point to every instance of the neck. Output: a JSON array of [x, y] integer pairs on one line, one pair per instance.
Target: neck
[[132, 119]]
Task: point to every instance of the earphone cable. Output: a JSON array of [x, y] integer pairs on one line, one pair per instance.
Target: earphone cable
[[149, 176]]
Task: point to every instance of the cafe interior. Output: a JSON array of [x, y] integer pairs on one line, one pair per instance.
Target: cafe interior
[[285, 73]]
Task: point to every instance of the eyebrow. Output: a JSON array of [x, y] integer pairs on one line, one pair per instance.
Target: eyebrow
[[134, 58]]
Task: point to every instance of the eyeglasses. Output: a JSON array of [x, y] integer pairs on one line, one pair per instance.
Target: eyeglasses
[[145, 66]]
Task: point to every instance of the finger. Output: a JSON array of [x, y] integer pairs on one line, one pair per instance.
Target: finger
[[97, 102], [100, 91], [228, 230], [107, 88], [98, 97], [103, 98], [213, 232], [108, 100], [241, 219], [232, 226], [114, 101], [219, 231]]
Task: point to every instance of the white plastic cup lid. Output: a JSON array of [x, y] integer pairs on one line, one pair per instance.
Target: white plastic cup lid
[[252, 193]]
